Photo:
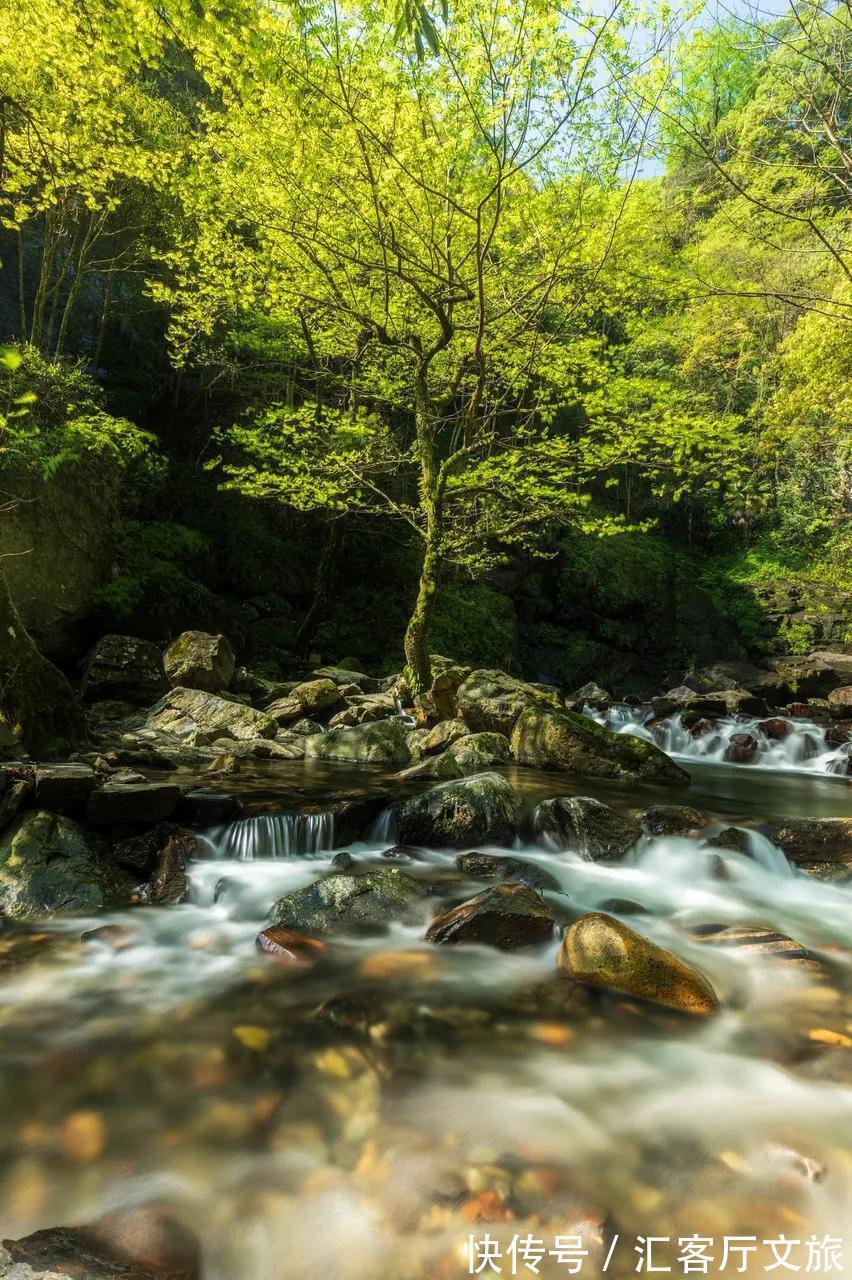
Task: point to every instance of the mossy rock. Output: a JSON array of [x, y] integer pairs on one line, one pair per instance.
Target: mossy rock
[[549, 738], [479, 809], [49, 864]]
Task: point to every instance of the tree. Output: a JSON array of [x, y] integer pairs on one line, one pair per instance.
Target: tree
[[429, 233]]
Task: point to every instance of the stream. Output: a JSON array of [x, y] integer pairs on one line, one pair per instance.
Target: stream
[[377, 1116]]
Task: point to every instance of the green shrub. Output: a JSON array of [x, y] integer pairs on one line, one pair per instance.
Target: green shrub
[[476, 625]]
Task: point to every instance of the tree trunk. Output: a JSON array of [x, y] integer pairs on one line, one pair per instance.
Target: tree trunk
[[416, 644], [418, 669], [36, 701]]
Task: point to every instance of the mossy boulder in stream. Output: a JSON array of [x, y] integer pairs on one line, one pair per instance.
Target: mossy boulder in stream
[[379, 742], [586, 826], [491, 701], [199, 718], [475, 810], [348, 901], [549, 738], [601, 951], [50, 864]]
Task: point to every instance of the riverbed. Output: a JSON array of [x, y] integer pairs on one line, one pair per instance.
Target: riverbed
[[384, 1112]]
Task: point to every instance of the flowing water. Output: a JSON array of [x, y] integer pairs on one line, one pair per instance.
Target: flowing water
[[363, 1119], [806, 747]]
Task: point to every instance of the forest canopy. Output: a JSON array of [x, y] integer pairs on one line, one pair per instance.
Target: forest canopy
[[491, 278]]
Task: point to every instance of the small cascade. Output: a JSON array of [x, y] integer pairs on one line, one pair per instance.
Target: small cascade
[[382, 830], [803, 748], [276, 835]]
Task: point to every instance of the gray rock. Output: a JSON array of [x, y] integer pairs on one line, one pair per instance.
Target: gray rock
[[478, 751], [509, 916], [349, 901], [482, 809], [547, 738], [125, 668], [11, 801], [491, 701], [118, 803], [198, 660], [305, 699], [204, 807], [817, 840], [49, 864], [494, 866], [433, 741], [591, 692], [64, 788], [672, 820], [197, 718], [381, 742], [586, 826]]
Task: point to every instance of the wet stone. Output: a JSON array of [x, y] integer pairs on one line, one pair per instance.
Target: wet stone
[[600, 951], [741, 749], [289, 945], [672, 820], [492, 866], [508, 916], [117, 803], [583, 824]]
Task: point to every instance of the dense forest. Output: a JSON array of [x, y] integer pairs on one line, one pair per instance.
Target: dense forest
[[520, 337]]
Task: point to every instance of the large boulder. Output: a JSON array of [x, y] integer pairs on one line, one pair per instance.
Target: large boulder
[[548, 738], [198, 660], [125, 668], [342, 901], [305, 700], [814, 840], [198, 718], [482, 809], [118, 803], [64, 788], [600, 951], [443, 735], [508, 916], [478, 751], [586, 826], [50, 864], [491, 701], [380, 742]]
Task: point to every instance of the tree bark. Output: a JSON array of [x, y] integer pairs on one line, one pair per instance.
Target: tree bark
[[36, 701], [418, 668]]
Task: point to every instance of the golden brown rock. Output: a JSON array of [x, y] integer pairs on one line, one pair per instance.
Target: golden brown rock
[[603, 952]]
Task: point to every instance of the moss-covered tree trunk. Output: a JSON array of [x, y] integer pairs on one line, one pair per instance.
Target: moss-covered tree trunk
[[416, 643], [36, 701]]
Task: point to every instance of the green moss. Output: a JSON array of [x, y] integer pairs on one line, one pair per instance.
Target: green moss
[[477, 625]]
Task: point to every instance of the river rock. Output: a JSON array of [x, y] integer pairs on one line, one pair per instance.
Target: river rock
[[840, 701], [434, 769], [443, 735], [672, 820], [124, 668], [547, 738], [591, 693], [117, 803], [491, 701], [741, 748], [344, 900], [97, 1253], [807, 840], [206, 807], [64, 788], [305, 700], [50, 864], [494, 866], [198, 660], [476, 751], [443, 692], [290, 946], [343, 676], [792, 678], [600, 951], [169, 884], [482, 809], [364, 708], [381, 742], [586, 826], [11, 800], [776, 728], [198, 718], [508, 916]]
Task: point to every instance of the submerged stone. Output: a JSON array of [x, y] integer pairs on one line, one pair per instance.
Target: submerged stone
[[508, 916], [287, 944], [494, 866], [601, 951]]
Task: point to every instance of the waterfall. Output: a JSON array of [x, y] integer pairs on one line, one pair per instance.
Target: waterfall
[[804, 748], [276, 835]]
